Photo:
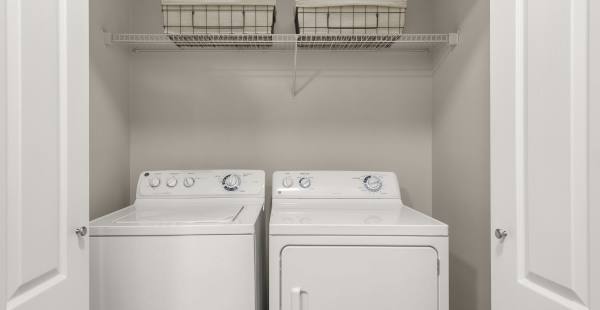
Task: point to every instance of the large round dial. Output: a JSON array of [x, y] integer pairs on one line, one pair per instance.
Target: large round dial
[[172, 182], [189, 182], [231, 182], [304, 182], [372, 183], [154, 182]]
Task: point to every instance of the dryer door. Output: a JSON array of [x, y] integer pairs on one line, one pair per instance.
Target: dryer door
[[359, 277]]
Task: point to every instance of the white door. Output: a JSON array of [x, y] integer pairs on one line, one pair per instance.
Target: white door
[[44, 152], [541, 160], [359, 277]]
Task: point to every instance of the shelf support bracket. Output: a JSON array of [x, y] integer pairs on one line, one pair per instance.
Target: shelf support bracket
[[453, 39], [107, 38], [294, 70]]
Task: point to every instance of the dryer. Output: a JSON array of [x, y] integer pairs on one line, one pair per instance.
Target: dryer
[[344, 240], [191, 240]]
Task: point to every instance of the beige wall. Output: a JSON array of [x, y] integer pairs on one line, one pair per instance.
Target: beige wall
[[235, 110], [461, 149], [109, 109]]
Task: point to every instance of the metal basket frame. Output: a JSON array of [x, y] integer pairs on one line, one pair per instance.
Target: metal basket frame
[[197, 27], [357, 11]]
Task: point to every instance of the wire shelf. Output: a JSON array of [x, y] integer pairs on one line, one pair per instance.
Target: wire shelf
[[278, 42]]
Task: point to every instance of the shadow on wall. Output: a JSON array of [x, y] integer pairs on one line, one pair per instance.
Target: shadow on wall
[[464, 273], [461, 150], [109, 110]]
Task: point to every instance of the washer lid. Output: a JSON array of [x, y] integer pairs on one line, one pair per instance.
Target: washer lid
[[167, 217], [351, 217], [181, 215]]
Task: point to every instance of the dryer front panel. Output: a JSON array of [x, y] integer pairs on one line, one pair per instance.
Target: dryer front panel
[[359, 277]]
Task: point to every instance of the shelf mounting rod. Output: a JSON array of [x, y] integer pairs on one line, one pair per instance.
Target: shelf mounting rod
[[294, 71]]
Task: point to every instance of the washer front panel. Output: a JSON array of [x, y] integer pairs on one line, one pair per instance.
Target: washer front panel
[[201, 184]]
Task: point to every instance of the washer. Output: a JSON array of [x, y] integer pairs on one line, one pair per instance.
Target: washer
[[191, 240], [344, 240]]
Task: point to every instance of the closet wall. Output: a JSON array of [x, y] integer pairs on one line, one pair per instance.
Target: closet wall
[[360, 111], [461, 149], [109, 109]]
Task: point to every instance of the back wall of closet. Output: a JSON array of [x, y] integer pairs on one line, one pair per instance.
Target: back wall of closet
[[235, 109]]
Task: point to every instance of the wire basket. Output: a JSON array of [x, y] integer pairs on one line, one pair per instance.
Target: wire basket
[[182, 20], [350, 19], [227, 19], [385, 23]]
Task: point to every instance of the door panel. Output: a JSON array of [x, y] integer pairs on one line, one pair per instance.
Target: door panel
[[540, 154], [359, 277], [554, 154], [46, 151], [34, 245]]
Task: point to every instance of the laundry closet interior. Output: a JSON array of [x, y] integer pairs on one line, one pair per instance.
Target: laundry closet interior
[[418, 108]]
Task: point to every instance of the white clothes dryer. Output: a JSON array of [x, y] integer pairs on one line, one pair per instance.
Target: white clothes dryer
[[344, 240], [192, 240]]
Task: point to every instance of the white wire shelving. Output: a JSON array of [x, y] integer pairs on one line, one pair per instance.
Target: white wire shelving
[[295, 43], [281, 42]]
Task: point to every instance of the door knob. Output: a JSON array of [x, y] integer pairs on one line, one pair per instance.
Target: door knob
[[81, 231], [501, 234]]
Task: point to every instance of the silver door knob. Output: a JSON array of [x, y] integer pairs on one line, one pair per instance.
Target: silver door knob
[[501, 234], [81, 231]]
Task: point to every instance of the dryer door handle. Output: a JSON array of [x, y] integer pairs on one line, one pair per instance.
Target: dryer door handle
[[296, 295]]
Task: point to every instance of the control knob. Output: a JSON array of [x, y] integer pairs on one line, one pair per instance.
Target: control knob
[[372, 183], [154, 182], [172, 182], [231, 182], [304, 182], [287, 182], [189, 182]]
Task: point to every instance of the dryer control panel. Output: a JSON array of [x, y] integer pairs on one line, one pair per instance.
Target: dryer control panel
[[335, 184], [201, 183]]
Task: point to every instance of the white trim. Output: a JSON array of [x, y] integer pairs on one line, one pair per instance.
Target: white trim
[[594, 149], [75, 42], [503, 70], [579, 148], [3, 121]]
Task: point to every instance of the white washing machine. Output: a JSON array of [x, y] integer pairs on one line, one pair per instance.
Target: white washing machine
[[344, 240], [192, 240]]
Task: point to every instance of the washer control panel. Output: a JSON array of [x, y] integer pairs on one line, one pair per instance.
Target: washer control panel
[[201, 183], [335, 184]]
